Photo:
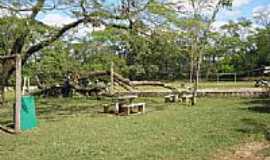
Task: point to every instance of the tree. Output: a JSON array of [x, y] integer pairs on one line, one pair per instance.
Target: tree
[[260, 47], [136, 37], [30, 40], [202, 14]]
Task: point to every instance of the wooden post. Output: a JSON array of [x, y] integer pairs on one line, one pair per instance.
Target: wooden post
[[28, 84], [18, 93], [112, 80], [2, 91], [24, 85], [2, 84], [235, 78]]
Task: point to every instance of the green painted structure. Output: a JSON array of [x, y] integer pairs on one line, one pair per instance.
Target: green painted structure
[[28, 113]]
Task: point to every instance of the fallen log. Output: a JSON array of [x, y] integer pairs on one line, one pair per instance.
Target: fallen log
[[125, 86], [118, 79], [122, 79]]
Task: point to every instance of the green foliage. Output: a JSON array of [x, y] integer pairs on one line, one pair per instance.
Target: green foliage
[[262, 41], [109, 34], [58, 61], [159, 45], [53, 65], [10, 29], [154, 57], [163, 11]]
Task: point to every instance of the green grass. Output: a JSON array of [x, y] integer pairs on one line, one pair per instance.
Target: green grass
[[202, 85], [221, 85], [75, 129]]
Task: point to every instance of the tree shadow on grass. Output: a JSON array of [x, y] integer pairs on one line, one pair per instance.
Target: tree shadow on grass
[[54, 109], [253, 126], [259, 105], [57, 109]]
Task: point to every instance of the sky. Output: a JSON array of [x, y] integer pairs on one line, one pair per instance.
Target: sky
[[241, 8]]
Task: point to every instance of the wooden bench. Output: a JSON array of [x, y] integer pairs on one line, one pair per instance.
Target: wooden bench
[[171, 98], [123, 100], [106, 108], [130, 108], [187, 98]]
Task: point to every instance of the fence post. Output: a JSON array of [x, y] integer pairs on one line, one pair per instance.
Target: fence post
[[18, 93]]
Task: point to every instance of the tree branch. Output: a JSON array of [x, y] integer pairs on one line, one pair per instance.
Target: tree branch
[[20, 41], [52, 39], [37, 8]]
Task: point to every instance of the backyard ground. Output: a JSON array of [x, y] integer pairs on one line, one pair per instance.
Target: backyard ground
[[180, 85], [76, 128], [221, 85]]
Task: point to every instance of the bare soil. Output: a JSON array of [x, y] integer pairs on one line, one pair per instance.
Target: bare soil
[[248, 151]]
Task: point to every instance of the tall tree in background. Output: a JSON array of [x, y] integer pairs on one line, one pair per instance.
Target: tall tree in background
[[203, 13]]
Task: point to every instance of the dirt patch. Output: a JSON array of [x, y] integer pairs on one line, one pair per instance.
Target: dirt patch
[[248, 151]]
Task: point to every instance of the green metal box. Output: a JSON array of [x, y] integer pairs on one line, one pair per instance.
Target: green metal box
[[28, 113]]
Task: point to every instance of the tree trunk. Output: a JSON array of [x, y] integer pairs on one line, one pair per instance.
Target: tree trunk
[[2, 88], [191, 69], [112, 78], [2, 94], [198, 71]]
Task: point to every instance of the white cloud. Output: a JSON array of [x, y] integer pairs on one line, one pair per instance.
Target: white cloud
[[265, 10], [233, 13], [56, 20], [240, 3], [236, 11], [80, 31], [84, 29], [261, 14], [218, 24], [236, 3]]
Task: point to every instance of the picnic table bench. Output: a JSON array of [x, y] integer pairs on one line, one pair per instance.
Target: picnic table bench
[[184, 97], [124, 104], [187, 98], [140, 108], [171, 98]]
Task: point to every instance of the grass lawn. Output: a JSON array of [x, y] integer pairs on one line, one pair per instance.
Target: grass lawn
[[75, 129], [221, 85], [202, 85]]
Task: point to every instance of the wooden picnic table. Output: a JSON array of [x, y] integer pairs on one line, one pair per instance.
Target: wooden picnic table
[[124, 103], [122, 100], [171, 98], [130, 98]]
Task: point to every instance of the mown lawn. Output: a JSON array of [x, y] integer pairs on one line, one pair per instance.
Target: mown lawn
[[220, 85], [76, 129], [180, 85]]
